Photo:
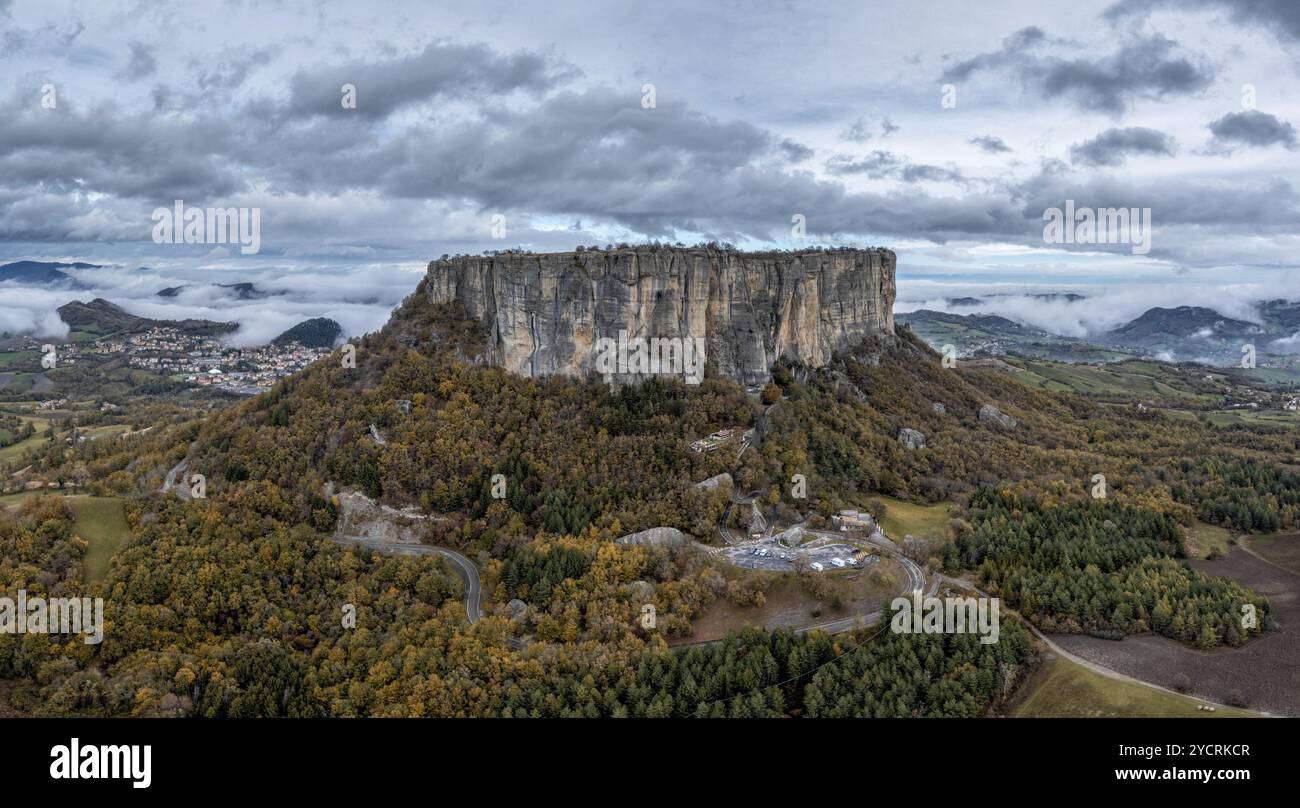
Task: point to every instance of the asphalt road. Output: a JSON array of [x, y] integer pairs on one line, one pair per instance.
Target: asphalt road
[[465, 568], [915, 578], [915, 575]]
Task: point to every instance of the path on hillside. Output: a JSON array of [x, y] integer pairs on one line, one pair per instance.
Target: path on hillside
[[465, 569], [1100, 670], [750, 437], [1263, 674], [917, 581]]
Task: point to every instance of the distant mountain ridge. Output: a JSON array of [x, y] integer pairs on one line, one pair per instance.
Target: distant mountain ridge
[[243, 291], [318, 332], [44, 273], [1182, 322], [1180, 333], [101, 318]]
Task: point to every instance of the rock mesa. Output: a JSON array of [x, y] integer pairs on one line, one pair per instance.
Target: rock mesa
[[545, 312]]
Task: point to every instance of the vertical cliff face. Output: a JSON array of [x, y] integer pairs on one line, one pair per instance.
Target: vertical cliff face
[[545, 313]]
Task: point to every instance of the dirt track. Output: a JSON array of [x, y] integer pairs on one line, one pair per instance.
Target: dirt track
[[1264, 672]]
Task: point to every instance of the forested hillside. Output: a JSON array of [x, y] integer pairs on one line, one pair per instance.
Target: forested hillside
[[232, 605]]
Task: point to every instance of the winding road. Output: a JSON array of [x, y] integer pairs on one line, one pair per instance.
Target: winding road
[[465, 569], [915, 575], [915, 578]]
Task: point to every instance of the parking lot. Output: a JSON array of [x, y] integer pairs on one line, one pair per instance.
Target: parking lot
[[819, 555]]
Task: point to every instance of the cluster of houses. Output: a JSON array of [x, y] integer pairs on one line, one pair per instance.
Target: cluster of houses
[[206, 363], [202, 360]]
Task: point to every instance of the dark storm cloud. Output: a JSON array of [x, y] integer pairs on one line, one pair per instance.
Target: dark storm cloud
[[1252, 128], [857, 132], [860, 130], [929, 173], [141, 64], [1013, 54], [597, 153], [1144, 66], [883, 164], [105, 151], [877, 165], [990, 144], [795, 151], [1281, 17], [1114, 146], [593, 153], [1265, 205], [440, 70], [559, 149]]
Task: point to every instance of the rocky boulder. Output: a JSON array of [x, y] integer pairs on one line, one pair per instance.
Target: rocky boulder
[[990, 414], [911, 438], [716, 480], [517, 609], [655, 537]]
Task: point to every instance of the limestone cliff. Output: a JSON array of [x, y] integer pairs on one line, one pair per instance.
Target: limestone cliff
[[544, 313]]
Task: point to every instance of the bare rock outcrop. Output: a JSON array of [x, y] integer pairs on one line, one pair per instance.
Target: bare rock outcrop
[[911, 438], [991, 414], [363, 518], [655, 537], [723, 479], [545, 313]]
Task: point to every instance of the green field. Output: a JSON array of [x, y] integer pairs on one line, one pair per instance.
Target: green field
[[8, 358], [104, 431], [16, 383], [921, 521], [14, 500], [1134, 377], [14, 452], [101, 521], [1238, 417], [1062, 689], [1203, 538]]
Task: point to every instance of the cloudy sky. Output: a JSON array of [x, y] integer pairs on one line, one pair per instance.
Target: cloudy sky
[[944, 133]]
